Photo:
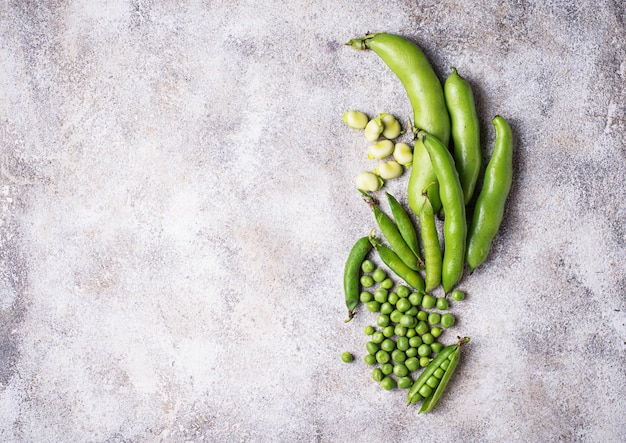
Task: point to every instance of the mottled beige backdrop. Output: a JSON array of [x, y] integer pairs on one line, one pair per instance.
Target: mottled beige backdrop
[[177, 204]]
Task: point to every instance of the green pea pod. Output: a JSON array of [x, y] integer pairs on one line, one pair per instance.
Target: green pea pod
[[425, 93], [352, 271], [429, 370], [394, 238], [432, 248], [406, 227], [431, 401], [454, 225], [489, 208], [393, 262], [465, 131]]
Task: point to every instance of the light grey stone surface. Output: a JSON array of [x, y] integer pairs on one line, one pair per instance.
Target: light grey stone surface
[[177, 204]]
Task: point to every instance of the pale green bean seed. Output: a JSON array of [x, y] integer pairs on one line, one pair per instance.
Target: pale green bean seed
[[442, 304], [368, 181], [369, 359], [381, 149], [355, 119], [403, 154], [380, 295], [391, 126], [373, 129], [389, 170]]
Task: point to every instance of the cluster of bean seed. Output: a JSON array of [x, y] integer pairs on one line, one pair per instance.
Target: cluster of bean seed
[[406, 332], [381, 131]]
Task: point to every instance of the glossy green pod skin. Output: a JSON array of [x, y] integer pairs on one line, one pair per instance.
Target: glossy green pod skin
[[395, 239], [422, 180], [452, 353], [430, 402], [351, 273], [425, 93], [405, 226], [393, 262], [428, 371], [432, 248], [455, 224], [490, 204], [465, 131]]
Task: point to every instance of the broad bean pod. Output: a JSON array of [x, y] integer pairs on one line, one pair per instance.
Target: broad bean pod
[[465, 131], [425, 93], [455, 224], [490, 204]]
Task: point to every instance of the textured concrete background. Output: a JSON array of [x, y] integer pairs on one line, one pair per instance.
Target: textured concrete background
[[177, 204]]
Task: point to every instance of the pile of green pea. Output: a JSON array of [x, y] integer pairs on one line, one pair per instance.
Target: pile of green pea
[[404, 338]]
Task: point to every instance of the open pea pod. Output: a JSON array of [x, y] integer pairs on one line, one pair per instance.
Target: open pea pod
[[429, 403]]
